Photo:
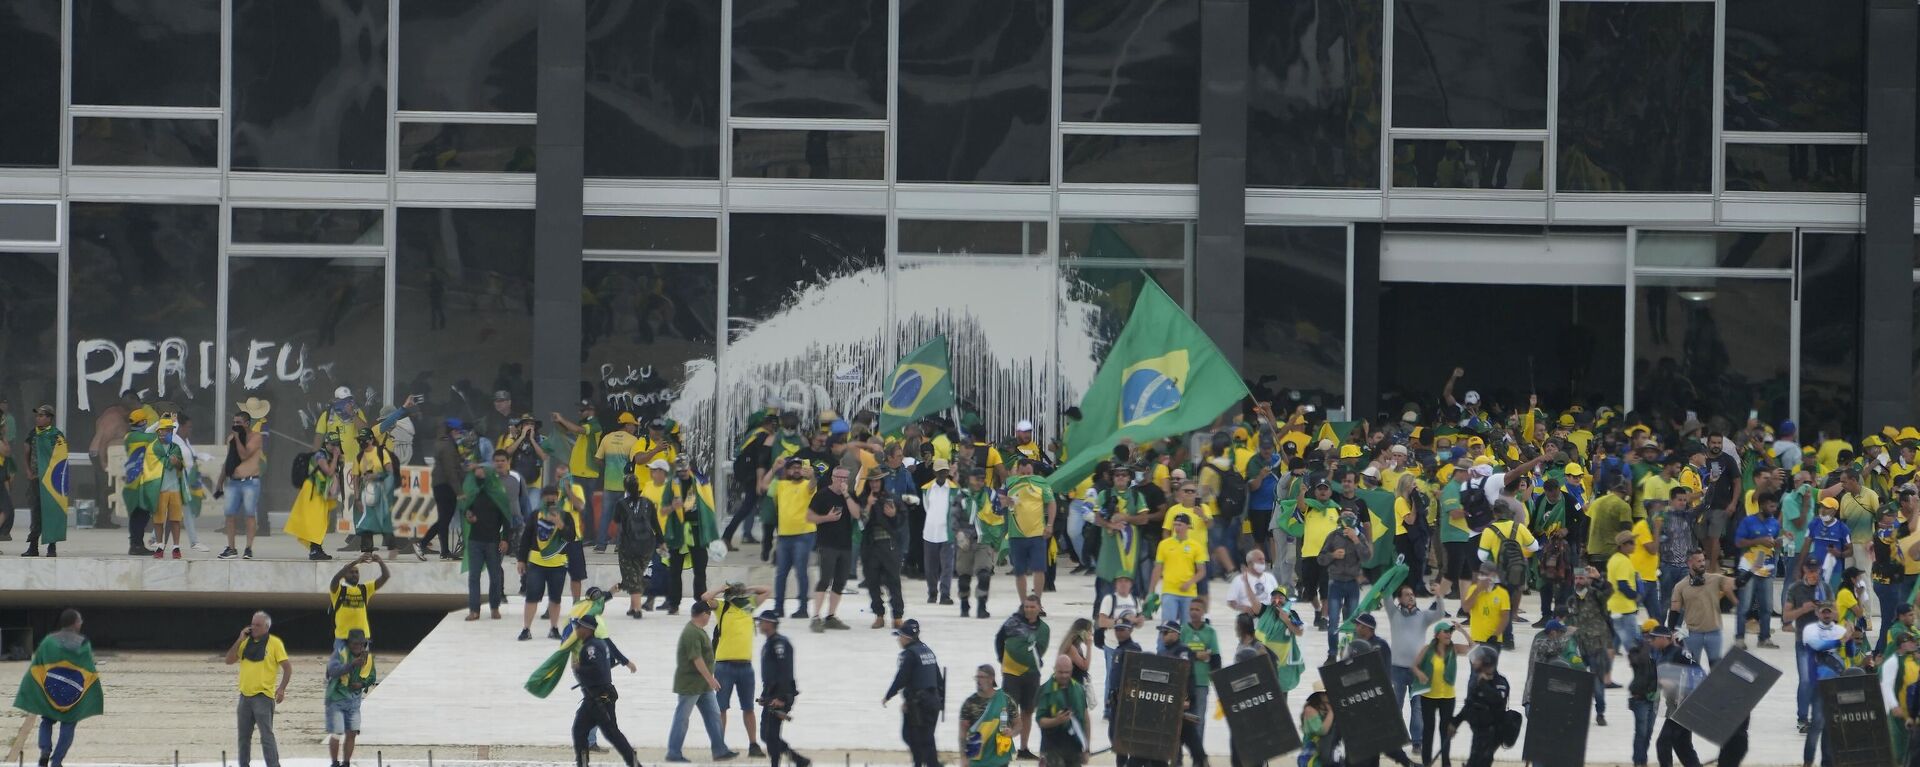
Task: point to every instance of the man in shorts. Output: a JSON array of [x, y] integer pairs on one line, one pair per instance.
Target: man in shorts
[[543, 562], [350, 674], [1320, 517], [733, 652], [1029, 526], [834, 512]]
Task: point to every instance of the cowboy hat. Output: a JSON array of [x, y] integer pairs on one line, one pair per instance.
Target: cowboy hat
[[255, 407]]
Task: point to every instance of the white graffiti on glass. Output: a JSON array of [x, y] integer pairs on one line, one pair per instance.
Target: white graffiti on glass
[[162, 368]]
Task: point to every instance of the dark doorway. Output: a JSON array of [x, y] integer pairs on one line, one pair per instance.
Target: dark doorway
[[1562, 342]]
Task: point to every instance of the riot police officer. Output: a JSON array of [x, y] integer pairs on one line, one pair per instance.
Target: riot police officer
[[923, 694], [593, 669]]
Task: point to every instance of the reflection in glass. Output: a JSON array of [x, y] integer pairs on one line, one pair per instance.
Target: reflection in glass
[[796, 59], [463, 317], [30, 40], [467, 147], [146, 53], [1636, 98], [310, 85], [1313, 107], [975, 81], [1094, 306], [1296, 319], [1574, 349], [29, 222], [1703, 250], [985, 310], [1717, 346], [141, 141], [856, 154], [1470, 63], [1128, 240], [1131, 61], [29, 343], [1789, 69], [653, 89], [683, 234], [300, 328], [1449, 164], [142, 309], [468, 55], [645, 328], [973, 238], [1829, 327], [807, 313], [1795, 168], [316, 226], [1129, 159]]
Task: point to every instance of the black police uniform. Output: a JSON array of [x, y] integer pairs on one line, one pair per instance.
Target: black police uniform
[[1189, 728], [593, 670], [918, 683], [777, 684]]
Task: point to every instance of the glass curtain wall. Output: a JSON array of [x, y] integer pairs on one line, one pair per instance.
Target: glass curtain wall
[[1712, 321]]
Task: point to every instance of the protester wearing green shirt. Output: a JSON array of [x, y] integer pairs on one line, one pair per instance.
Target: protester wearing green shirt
[[694, 683], [1062, 715]]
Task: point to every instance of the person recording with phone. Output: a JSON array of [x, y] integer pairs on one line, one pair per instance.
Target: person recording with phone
[[260, 655], [246, 451]]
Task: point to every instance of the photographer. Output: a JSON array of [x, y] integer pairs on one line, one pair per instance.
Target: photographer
[[241, 470]]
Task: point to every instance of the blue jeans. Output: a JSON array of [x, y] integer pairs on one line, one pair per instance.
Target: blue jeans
[[1888, 595], [58, 749], [1670, 577], [791, 553], [1402, 680], [243, 497], [1643, 711], [609, 501], [1650, 598], [1174, 608], [709, 716], [1626, 632], [1342, 598], [1758, 596], [1816, 738], [1803, 695], [1705, 645]]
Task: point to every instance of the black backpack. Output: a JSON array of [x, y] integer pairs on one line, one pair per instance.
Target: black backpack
[[1512, 561], [302, 466], [1473, 500], [1232, 500]]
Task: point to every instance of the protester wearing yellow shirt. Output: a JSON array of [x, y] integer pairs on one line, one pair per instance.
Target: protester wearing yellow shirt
[[1489, 611], [733, 650], [1658, 487], [1319, 517], [1201, 514], [655, 445], [261, 656], [349, 598], [1179, 564]]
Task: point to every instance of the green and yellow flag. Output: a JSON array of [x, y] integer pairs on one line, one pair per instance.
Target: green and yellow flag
[[62, 684], [50, 454], [548, 674], [1164, 376], [142, 471], [920, 385]]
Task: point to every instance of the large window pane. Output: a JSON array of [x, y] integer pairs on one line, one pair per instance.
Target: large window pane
[[1715, 346], [1470, 64], [653, 89], [140, 141], [463, 321], [798, 59], [1704, 250], [468, 55], [29, 343], [310, 85], [1313, 110], [1296, 322], [1573, 347], [467, 147], [142, 310], [972, 238], [1129, 159], [1094, 307], [810, 154], [30, 55], [1449, 164], [300, 328], [807, 313], [985, 310], [1131, 61], [683, 234], [146, 52], [974, 90], [1829, 329], [647, 329], [1795, 168], [317, 226], [1636, 98], [1792, 69], [1128, 240]]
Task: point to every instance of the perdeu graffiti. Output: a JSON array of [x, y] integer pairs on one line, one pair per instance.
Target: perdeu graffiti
[[173, 366]]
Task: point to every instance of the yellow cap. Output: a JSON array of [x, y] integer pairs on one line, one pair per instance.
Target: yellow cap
[[1648, 625], [626, 418], [165, 423], [1349, 451], [1909, 434], [1574, 470], [1566, 419], [1830, 503], [1476, 441]]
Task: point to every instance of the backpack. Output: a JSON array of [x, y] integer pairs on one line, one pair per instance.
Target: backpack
[[1473, 500], [1512, 561], [1232, 500], [301, 466]]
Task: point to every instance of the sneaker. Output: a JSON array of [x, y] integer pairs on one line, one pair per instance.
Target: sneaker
[[800, 614], [1802, 726], [176, 552], [835, 624], [526, 634], [1600, 720], [553, 633], [676, 760], [816, 627], [753, 750], [946, 601], [1320, 622], [139, 551], [318, 556], [726, 756], [1739, 644], [1768, 643], [420, 550], [800, 761], [159, 554], [1026, 755], [32, 552], [199, 547], [248, 554], [228, 553]]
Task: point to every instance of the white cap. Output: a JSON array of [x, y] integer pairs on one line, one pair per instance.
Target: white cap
[[1473, 398], [1481, 470], [1371, 472], [909, 462], [661, 464], [1023, 425], [1398, 450], [342, 393]]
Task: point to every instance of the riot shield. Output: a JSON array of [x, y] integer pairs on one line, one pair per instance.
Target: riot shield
[[1557, 716], [1149, 713], [1727, 696], [1256, 709], [1856, 717], [1361, 691]]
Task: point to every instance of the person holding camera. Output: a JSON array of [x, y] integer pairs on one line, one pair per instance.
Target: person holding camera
[[246, 452], [260, 655], [1343, 557], [733, 651]]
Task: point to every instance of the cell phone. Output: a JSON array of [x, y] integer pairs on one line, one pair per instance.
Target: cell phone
[[1753, 415]]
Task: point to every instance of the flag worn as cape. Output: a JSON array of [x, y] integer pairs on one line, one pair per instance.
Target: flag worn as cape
[[141, 472], [1055, 700], [469, 492], [1164, 376], [1433, 664], [547, 675], [50, 454], [61, 684], [920, 385], [307, 522], [709, 523], [1271, 629], [988, 745]]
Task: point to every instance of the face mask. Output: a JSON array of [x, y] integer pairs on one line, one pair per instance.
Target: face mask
[[1257, 568]]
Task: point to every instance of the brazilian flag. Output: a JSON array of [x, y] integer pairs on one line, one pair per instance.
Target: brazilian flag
[[921, 384], [1164, 376], [142, 471], [50, 454], [547, 675], [62, 684], [1380, 507]]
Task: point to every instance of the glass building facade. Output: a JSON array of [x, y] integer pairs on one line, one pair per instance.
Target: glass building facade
[[1662, 201]]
